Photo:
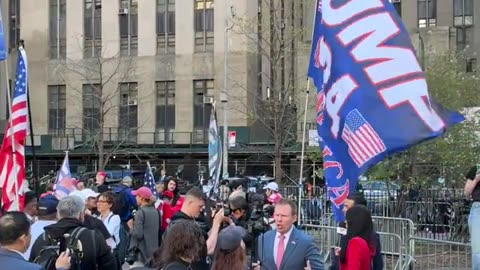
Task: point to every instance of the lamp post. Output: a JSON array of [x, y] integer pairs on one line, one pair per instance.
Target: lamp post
[[223, 95]]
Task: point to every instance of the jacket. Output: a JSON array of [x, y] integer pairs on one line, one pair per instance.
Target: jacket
[[10, 260], [377, 260], [359, 255], [299, 249], [144, 234], [97, 254], [130, 202]]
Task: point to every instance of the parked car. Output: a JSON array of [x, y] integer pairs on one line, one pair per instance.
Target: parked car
[[380, 190]]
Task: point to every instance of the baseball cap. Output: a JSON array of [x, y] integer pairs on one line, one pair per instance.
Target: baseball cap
[[101, 173], [230, 238], [127, 180], [167, 194], [47, 205], [143, 192], [89, 193], [272, 186]]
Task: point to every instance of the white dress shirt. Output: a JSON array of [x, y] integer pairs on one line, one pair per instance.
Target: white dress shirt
[[112, 222], [36, 230], [285, 242]]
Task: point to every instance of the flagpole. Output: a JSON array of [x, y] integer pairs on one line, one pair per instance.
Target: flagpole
[[30, 122], [10, 133], [300, 184]]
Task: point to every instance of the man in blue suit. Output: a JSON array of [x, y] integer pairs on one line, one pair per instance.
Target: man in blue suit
[[287, 248], [15, 239]]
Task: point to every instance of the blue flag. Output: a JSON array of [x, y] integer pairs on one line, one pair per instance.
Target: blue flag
[[372, 96], [3, 46]]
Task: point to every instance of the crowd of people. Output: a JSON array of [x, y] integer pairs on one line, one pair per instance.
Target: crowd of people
[[117, 227]]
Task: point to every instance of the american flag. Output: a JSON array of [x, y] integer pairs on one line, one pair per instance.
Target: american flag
[[150, 180], [12, 156], [214, 154], [362, 140], [64, 183]]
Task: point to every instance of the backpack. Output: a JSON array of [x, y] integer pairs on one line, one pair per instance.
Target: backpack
[[48, 254], [119, 201], [122, 244]]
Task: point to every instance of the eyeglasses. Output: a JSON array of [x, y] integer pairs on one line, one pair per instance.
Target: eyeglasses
[[102, 201]]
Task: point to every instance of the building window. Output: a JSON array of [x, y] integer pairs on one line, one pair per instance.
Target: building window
[[203, 20], [165, 105], [58, 28], [14, 23], [427, 13], [165, 111], [92, 42], [471, 65], [202, 103], [463, 12], [128, 19], [464, 37], [165, 26], [56, 108], [128, 121], [91, 107], [398, 6]]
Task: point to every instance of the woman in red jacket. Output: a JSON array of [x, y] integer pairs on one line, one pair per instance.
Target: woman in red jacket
[[361, 245]]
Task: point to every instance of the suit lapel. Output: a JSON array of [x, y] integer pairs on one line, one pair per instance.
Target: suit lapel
[[271, 243], [291, 245]]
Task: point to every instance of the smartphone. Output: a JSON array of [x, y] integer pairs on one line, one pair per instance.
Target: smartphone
[[478, 170], [63, 244]]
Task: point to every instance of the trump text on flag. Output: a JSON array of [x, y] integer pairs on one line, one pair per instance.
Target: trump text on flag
[[372, 96]]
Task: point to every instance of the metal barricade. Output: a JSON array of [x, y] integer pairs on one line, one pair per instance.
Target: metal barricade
[[326, 238], [402, 227], [431, 254]]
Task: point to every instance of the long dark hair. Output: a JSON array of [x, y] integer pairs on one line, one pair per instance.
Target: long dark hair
[[359, 224], [176, 192], [178, 243], [236, 260]]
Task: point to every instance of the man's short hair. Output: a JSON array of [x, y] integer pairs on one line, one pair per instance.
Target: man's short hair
[[292, 204], [12, 226], [238, 203], [30, 196], [357, 198], [195, 192], [70, 207]]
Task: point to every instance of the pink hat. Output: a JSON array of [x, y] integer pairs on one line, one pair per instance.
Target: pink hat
[[143, 192]]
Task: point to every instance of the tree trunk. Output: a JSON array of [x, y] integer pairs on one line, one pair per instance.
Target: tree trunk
[[100, 142], [277, 155]]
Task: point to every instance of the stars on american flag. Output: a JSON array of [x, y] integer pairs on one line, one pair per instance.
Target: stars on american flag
[[149, 180]]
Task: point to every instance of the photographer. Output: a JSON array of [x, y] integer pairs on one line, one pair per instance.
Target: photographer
[[240, 216]]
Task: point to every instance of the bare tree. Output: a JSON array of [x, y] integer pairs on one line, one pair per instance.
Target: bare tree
[[105, 91], [272, 38]]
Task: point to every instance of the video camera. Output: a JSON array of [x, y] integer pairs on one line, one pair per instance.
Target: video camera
[[258, 220]]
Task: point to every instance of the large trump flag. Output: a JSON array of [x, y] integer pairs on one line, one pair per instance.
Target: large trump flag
[[372, 96]]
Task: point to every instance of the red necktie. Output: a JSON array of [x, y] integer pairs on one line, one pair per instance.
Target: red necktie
[[280, 250]]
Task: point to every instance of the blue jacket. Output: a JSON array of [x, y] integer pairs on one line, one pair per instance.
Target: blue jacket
[[10, 260], [130, 202], [300, 249]]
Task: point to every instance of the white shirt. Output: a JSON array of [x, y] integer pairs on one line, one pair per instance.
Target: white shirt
[[285, 242], [112, 222], [37, 229]]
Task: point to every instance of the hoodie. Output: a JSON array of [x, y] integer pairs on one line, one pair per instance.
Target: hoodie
[[97, 254]]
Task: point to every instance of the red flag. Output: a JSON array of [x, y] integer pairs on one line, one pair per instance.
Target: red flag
[[12, 163]]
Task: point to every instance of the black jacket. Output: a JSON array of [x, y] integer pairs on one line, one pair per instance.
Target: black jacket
[[97, 254]]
